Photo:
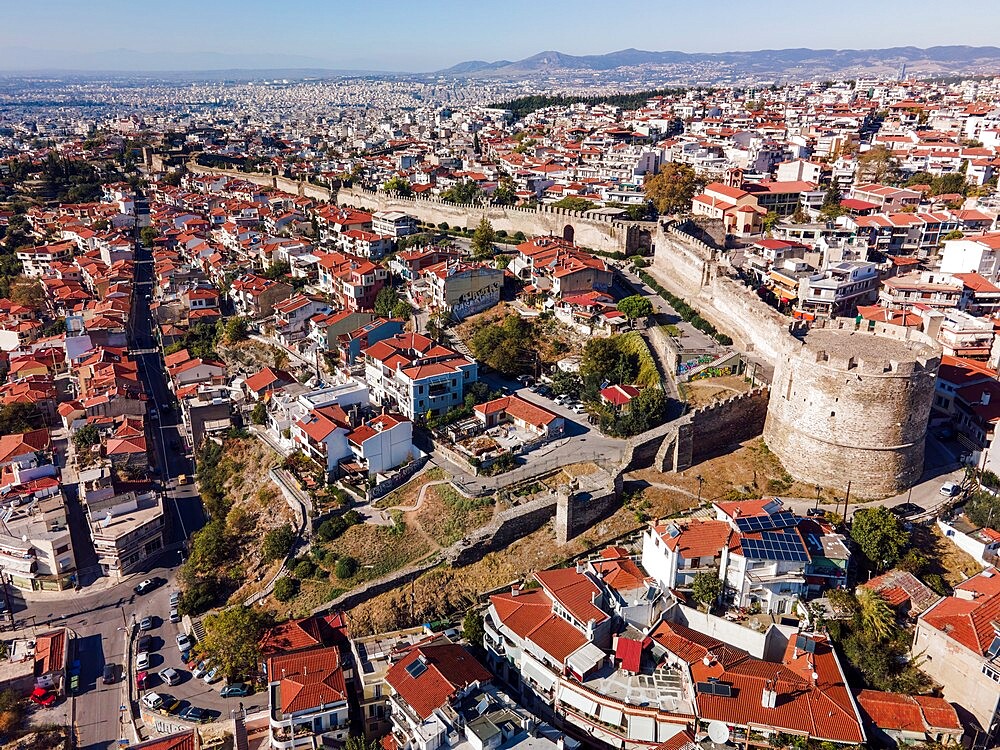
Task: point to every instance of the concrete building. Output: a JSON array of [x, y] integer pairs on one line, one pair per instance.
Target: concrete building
[[958, 642], [36, 549], [307, 699], [462, 289], [127, 529], [838, 290], [393, 223], [852, 406]]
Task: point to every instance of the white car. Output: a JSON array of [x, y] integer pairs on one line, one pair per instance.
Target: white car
[[170, 676], [200, 670], [152, 701], [212, 675], [184, 641], [142, 660], [950, 489]]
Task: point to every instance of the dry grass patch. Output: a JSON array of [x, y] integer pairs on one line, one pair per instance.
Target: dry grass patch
[[447, 516], [709, 390], [408, 493]]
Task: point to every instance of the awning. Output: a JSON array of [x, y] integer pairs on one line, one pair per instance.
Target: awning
[[580, 702], [611, 715], [541, 676], [642, 728]]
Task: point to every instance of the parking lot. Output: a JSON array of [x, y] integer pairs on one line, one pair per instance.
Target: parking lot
[[160, 641]]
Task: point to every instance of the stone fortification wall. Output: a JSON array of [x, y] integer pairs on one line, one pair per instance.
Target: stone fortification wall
[[725, 423], [699, 434], [293, 187], [595, 232], [852, 405]]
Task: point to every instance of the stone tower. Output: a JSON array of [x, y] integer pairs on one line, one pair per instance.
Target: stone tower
[[852, 405]]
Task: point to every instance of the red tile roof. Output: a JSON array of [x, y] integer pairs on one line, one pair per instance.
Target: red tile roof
[[450, 668], [529, 615], [967, 616], [575, 591], [308, 632], [920, 713], [308, 679], [821, 707]]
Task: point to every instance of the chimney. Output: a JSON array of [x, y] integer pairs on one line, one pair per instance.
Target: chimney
[[769, 697]]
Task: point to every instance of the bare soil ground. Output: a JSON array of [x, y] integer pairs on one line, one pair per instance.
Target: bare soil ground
[[408, 493], [709, 390], [257, 508]]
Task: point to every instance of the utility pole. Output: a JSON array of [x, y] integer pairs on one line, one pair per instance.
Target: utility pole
[[847, 498]]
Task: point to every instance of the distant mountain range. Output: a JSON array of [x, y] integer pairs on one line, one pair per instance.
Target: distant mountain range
[[798, 62], [669, 66]]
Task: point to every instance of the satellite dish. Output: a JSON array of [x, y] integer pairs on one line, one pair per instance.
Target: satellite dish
[[718, 732]]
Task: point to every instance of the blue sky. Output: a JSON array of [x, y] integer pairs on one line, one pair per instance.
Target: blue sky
[[421, 35]]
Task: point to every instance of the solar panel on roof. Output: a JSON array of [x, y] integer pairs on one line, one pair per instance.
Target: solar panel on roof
[[805, 643], [779, 520], [722, 689], [416, 668]]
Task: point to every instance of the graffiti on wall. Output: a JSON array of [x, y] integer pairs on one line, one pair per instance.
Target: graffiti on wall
[[476, 301]]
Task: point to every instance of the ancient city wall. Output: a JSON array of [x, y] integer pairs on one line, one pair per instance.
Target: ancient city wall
[[726, 423], [293, 187], [852, 405], [597, 233]]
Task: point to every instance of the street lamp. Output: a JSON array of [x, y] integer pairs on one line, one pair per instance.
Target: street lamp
[[818, 488], [700, 480]]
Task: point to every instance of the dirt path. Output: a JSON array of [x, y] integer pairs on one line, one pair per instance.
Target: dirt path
[[420, 498]]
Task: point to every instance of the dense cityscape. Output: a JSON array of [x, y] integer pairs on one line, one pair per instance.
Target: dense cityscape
[[640, 401]]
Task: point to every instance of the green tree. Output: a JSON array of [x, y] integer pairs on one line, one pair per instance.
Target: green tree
[[13, 710], [466, 191], [672, 188], [472, 628], [954, 234], [706, 587], [258, 414], [236, 330], [286, 589], [876, 615], [278, 542], [28, 292], [148, 235], [635, 306], [800, 216], [402, 310], [504, 195], [879, 535], [385, 301], [770, 221], [399, 185], [952, 182], [232, 639], [483, 239], [877, 165], [359, 742], [574, 203], [16, 418], [86, 437]]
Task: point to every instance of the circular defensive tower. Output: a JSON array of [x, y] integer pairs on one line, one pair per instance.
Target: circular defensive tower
[[852, 405]]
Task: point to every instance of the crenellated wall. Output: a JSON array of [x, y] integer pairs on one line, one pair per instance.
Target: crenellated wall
[[595, 232]]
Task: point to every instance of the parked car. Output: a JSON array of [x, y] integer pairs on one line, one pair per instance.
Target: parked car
[[175, 615], [152, 701], [175, 599], [578, 408], [144, 643], [905, 510], [200, 669], [236, 690], [950, 489], [142, 660], [170, 703], [146, 623], [184, 642], [42, 697], [110, 673], [193, 713], [146, 586], [212, 675], [816, 513], [170, 676]]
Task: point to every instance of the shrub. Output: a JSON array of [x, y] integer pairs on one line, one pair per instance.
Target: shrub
[[304, 569], [346, 567], [443, 226], [286, 589], [278, 542]]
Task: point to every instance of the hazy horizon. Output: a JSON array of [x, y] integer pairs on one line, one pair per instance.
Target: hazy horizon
[[394, 36]]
